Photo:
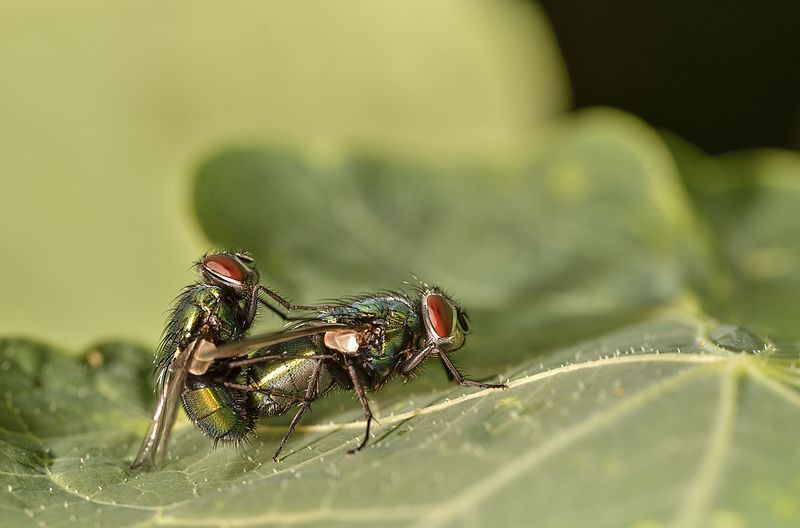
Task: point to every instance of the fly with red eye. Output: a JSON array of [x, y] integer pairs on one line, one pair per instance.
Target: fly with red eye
[[440, 315], [216, 310], [225, 380], [226, 267]]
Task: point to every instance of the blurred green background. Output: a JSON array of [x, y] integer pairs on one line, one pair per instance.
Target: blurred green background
[[107, 110]]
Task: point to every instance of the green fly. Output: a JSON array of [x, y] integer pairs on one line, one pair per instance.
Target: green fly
[[219, 308], [226, 381]]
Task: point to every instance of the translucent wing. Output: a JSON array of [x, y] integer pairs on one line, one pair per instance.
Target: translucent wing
[[154, 445], [251, 344]]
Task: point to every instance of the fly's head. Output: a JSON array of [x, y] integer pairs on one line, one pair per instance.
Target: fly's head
[[446, 323], [230, 270]]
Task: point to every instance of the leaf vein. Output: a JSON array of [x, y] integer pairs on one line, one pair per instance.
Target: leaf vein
[[474, 495], [701, 489]]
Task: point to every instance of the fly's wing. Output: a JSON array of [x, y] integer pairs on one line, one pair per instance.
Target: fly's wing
[[153, 448], [251, 344]]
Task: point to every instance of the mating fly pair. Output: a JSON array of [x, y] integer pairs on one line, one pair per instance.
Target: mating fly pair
[[225, 380]]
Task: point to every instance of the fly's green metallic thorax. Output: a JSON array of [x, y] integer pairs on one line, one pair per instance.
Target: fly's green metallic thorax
[[391, 308], [220, 412], [224, 314], [399, 321]]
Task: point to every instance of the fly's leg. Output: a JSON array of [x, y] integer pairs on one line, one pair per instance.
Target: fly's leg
[[304, 406], [454, 375], [289, 307], [412, 363], [362, 397]]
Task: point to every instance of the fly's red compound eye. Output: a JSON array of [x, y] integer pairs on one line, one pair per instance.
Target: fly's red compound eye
[[439, 314], [225, 266]]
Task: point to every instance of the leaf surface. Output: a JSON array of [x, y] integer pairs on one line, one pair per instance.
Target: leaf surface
[[654, 423]]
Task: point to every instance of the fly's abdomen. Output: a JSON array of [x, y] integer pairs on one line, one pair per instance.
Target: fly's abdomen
[[220, 412], [285, 382]]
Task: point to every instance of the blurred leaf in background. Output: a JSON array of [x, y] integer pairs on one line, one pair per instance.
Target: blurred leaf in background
[[748, 201], [105, 109], [591, 223]]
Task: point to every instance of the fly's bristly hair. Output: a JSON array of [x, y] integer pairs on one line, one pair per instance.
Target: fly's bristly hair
[[199, 262], [454, 300], [421, 288], [265, 299], [393, 293], [238, 443], [419, 369], [361, 297], [418, 284], [376, 297], [172, 331], [366, 308], [343, 301], [441, 291]]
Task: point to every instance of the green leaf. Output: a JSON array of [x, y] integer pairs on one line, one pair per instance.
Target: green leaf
[[590, 268], [749, 201], [650, 425]]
